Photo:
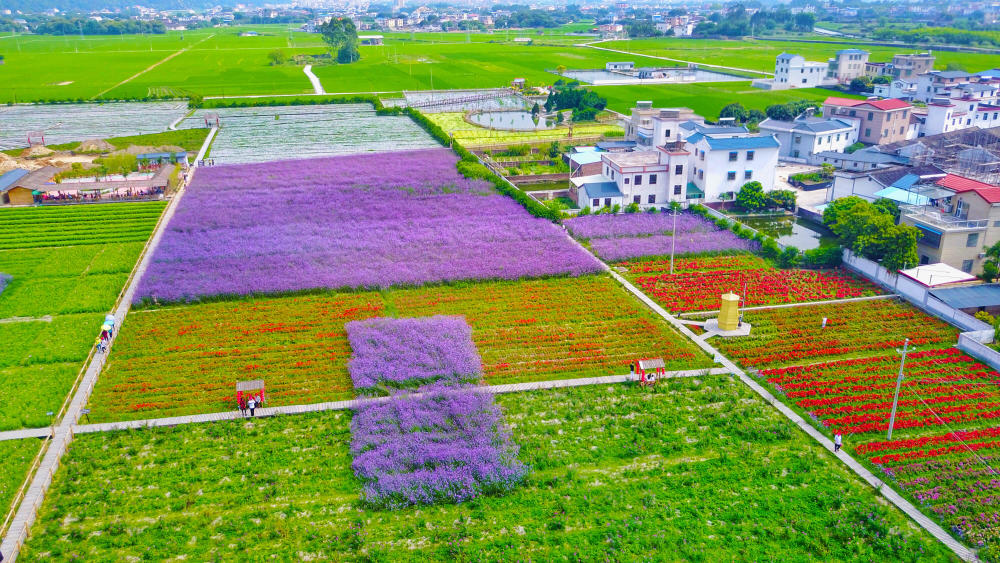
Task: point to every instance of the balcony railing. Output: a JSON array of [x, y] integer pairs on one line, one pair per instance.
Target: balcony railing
[[933, 216]]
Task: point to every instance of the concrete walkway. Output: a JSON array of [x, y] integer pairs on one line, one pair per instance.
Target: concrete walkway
[[63, 434], [317, 85], [352, 403], [792, 305], [26, 433]]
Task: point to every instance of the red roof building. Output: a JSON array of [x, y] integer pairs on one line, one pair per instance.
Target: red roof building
[[878, 121], [961, 184]]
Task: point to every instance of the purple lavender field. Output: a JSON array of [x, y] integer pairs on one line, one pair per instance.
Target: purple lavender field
[[634, 235], [444, 445], [421, 350], [441, 441], [365, 221]]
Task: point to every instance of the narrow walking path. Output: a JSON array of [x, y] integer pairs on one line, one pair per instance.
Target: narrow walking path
[[348, 404], [150, 67], [26, 433], [317, 85], [8, 320], [705, 65], [792, 305], [27, 512]]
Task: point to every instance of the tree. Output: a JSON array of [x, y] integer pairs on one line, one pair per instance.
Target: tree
[[784, 199], [780, 112], [751, 196], [535, 109], [861, 84], [871, 231], [561, 69], [881, 80], [736, 111], [991, 267], [277, 57], [756, 116], [341, 35]]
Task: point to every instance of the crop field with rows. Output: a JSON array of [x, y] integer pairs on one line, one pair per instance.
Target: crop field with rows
[[701, 469], [524, 331]]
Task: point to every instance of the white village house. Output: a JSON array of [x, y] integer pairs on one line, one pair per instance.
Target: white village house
[[803, 139]]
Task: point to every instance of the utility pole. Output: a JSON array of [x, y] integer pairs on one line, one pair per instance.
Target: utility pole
[[673, 241], [899, 382]]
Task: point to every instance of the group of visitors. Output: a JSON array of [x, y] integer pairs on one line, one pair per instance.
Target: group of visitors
[[249, 402], [207, 162], [107, 333], [80, 197]]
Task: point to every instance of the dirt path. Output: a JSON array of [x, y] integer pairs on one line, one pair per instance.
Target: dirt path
[[704, 65], [151, 67]]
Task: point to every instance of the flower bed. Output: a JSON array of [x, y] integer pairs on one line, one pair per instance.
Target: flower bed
[[796, 334], [186, 359], [421, 351], [633, 235], [370, 221], [945, 433], [691, 289], [442, 441]]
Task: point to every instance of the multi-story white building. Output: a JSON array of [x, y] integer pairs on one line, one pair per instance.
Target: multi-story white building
[[651, 127], [650, 178], [720, 166], [847, 65], [803, 139], [794, 71], [900, 89]]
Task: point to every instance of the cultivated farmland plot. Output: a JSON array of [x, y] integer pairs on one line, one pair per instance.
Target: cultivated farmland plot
[[459, 100], [66, 123], [263, 134], [696, 470]]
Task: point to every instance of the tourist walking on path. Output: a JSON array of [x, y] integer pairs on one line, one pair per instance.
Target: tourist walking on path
[[838, 442], [252, 404]]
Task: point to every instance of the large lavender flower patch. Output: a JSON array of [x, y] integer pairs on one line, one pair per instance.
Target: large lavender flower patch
[[442, 441], [633, 235], [616, 249], [443, 445], [421, 350], [374, 221]]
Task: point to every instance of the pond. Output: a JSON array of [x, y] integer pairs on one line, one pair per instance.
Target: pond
[[512, 120], [659, 76], [795, 231]]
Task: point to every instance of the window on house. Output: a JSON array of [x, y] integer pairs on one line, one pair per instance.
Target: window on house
[[595, 203], [638, 179], [901, 129], [701, 174], [972, 240], [666, 134], [733, 155], [853, 113], [651, 198], [637, 199], [871, 115], [885, 132], [679, 169], [652, 179], [731, 175], [798, 139], [749, 155], [868, 132], [924, 260], [967, 266], [607, 202], [747, 174], [626, 179]]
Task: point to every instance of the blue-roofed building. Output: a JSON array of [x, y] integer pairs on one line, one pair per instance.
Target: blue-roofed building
[[802, 139], [720, 166]]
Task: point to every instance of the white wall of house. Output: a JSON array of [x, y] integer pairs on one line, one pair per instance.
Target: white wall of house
[[845, 185], [716, 172], [796, 72]]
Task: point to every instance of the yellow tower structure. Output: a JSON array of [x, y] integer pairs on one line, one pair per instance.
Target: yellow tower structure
[[729, 312]]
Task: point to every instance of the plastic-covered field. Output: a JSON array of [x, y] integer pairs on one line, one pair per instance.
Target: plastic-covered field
[[262, 134], [65, 123], [464, 100]]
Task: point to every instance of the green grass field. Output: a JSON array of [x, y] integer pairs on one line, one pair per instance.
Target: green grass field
[[68, 265], [218, 62], [708, 98], [700, 470], [760, 54], [15, 458]]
